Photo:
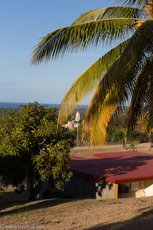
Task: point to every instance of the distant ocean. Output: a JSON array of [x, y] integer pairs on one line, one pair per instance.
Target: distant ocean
[[15, 105]]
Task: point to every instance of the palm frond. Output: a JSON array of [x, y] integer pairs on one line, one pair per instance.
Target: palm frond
[[108, 111], [110, 12], [140, 94], [120, 73], [139, 3], [148, 104], [88, 81], [78, 37], [95, 132], [121, 76]]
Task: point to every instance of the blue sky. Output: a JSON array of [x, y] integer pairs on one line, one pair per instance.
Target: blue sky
[[22, 24]]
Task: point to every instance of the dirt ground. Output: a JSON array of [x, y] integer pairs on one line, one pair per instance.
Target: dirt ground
[[127, 214], [69, 214], [89, 151]]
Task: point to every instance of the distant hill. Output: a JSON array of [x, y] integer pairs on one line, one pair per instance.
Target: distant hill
[[18, 104], [15, 105]]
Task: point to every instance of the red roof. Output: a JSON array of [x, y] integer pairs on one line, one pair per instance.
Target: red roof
[[122, 167]]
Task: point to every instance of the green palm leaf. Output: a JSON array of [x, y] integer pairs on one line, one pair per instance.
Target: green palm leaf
[[95, 131], [110, 12], [80, 36], [121, 76], [120, 79], [140, 94], [140, 3], [120, 73], [88, 81], [148, 103]]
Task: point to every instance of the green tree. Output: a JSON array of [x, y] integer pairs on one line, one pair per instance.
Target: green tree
[[123, 75], [32, 148]]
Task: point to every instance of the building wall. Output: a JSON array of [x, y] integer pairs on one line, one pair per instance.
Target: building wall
[[139, 189], [81, 187], [109, 192], [147, 189]]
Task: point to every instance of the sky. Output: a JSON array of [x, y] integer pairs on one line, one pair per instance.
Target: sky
[[22, 25]]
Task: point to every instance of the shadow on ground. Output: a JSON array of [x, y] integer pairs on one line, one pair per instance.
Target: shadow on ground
[[141, 222], [35, 205]]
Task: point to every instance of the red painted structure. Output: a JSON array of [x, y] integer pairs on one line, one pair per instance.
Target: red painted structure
[[122, 167]]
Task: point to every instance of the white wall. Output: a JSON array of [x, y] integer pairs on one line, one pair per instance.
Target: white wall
[[140, 189]]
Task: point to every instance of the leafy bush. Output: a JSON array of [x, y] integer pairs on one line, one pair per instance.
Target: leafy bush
[[32, 148]]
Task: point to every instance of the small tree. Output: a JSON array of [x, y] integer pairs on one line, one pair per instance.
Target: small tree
[[32, 148]]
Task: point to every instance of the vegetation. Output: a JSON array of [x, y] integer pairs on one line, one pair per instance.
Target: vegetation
[[121, 76], [33, 149]]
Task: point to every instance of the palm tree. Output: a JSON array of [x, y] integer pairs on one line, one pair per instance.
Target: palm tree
[[122, 76]]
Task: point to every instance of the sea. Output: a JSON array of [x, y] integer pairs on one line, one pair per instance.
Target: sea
[[16, 105]]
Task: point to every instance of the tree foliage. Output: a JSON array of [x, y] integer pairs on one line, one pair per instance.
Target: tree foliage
[[121, 76], [32, 147]]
